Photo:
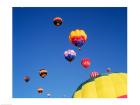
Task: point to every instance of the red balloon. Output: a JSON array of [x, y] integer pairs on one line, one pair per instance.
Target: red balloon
[[57, 21], [85, 62]]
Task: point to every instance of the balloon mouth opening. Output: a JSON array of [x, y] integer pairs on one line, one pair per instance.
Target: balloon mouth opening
[[58, 24]]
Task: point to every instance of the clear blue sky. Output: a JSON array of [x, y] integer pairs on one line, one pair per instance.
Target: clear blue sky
[[37, 42]]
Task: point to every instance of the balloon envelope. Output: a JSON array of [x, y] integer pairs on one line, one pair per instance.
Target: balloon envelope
[[26, 78], [113, 85], [48, 94], [94, 74], [43, 73], [70, 55], [86, 62], [57, 21], [108, 70], [78, 37], [40, 90]]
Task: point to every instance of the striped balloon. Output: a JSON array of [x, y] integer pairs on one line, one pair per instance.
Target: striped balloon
[[94, 74]]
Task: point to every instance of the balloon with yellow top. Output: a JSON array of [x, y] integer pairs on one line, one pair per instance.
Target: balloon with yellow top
[[113, 85], [78, 38]]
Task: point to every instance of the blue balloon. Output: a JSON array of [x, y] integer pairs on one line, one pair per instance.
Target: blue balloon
[[70, 55]]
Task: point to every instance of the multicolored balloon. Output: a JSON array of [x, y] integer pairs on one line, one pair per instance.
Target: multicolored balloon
[[57, 21], [70, 55], [78, 38], [43, 73], [86, 62], [94, 74]]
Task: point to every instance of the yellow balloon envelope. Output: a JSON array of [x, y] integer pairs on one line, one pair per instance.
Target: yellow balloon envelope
[[113, 85]]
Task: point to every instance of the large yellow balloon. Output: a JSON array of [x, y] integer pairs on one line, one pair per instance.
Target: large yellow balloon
[[107, 86]]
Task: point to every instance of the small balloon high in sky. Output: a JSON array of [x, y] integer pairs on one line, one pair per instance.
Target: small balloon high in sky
[[57, 21]]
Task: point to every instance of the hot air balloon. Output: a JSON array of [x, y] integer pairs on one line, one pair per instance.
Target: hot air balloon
[[48, 94], [43, 73], [78, 38], [94, 74], [57, 21], [40, 90], [108, 70], [26, 78], [70, 55], [113, 85], [85, 62]]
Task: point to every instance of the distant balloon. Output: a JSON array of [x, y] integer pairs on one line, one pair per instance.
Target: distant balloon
[[108, 70], [86, 62], [94, 74], [40, 90], [26, 78], [70, 55], [57, 21], [78, 38], [43, 73], [48, 94]]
